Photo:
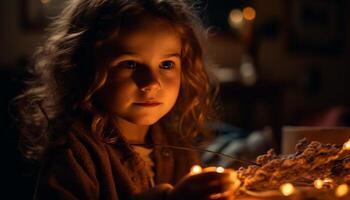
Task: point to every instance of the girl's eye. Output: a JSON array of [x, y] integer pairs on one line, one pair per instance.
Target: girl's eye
[[167, 65], [129, 64]]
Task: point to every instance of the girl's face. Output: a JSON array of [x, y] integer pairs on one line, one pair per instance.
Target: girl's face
[[144, 71]]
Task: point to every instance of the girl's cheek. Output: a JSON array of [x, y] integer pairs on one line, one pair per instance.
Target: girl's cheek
[[119, 75], [174, 74], [171, 83]]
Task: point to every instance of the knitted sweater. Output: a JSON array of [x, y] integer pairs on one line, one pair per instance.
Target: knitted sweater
[[87, 169]]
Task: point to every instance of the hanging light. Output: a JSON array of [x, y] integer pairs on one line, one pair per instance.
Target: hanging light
[[249, 13], [287, 189], [318, 183], [235, 18]]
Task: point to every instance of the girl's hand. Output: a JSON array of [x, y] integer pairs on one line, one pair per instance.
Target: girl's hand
[[209, 184]]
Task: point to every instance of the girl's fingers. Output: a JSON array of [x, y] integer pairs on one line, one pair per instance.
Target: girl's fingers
[[217, 169], [222, 196], [217, 189], [211, 183], [196, 169], [206, 177], [213, 187]]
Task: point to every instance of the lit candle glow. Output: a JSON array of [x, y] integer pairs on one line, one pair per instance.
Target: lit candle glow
[[287, 189]]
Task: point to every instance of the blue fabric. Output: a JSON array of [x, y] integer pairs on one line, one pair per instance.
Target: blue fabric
[[236, 143], [228, 140]]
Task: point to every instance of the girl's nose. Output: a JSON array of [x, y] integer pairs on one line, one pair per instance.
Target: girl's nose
[[150, 86], [150, 82]]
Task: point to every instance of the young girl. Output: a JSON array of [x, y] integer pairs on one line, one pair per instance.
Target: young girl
[[117, 83]]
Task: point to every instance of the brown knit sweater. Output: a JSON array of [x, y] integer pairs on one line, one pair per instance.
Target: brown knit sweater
[[86, 169]]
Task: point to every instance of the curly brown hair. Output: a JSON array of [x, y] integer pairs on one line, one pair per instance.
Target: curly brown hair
[[64, 80]]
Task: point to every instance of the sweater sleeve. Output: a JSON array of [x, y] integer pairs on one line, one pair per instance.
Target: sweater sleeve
[[68, 174], [159, 192]]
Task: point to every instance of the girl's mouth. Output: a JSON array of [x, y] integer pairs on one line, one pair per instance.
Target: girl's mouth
[[148, 104]]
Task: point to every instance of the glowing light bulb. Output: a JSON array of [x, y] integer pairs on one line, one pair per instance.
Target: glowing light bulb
[[318, 183], [235, 18], [196, 169], [342, 190], [220, 169], [346, 145], [287, 189], [249, 13], [327, 180]]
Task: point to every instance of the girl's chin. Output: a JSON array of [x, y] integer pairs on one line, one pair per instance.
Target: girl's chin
[[144, 120]]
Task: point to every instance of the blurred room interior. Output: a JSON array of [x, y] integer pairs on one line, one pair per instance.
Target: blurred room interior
[[279, 62]]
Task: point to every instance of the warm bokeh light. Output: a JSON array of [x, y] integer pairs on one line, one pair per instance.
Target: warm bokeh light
[[45, 1], [327, 180], [235, 18], [342, 190], [287, 189], [235, 180], [220, 169], [248, 74], [346, 145], [216, 196], [318, 183], [196, 169], [233, 176], [249, 13]]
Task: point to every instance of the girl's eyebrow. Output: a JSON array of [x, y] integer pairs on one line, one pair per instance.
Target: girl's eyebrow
[[130, 53], [171, 55], [123, 53]]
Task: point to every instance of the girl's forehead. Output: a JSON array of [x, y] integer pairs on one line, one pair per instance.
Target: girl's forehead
[[144, 22], [146, 32]]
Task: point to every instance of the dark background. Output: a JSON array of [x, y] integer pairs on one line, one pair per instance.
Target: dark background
[[299, 49]]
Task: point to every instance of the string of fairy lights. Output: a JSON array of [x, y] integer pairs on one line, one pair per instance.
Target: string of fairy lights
[[285, 189], [237, 18]]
